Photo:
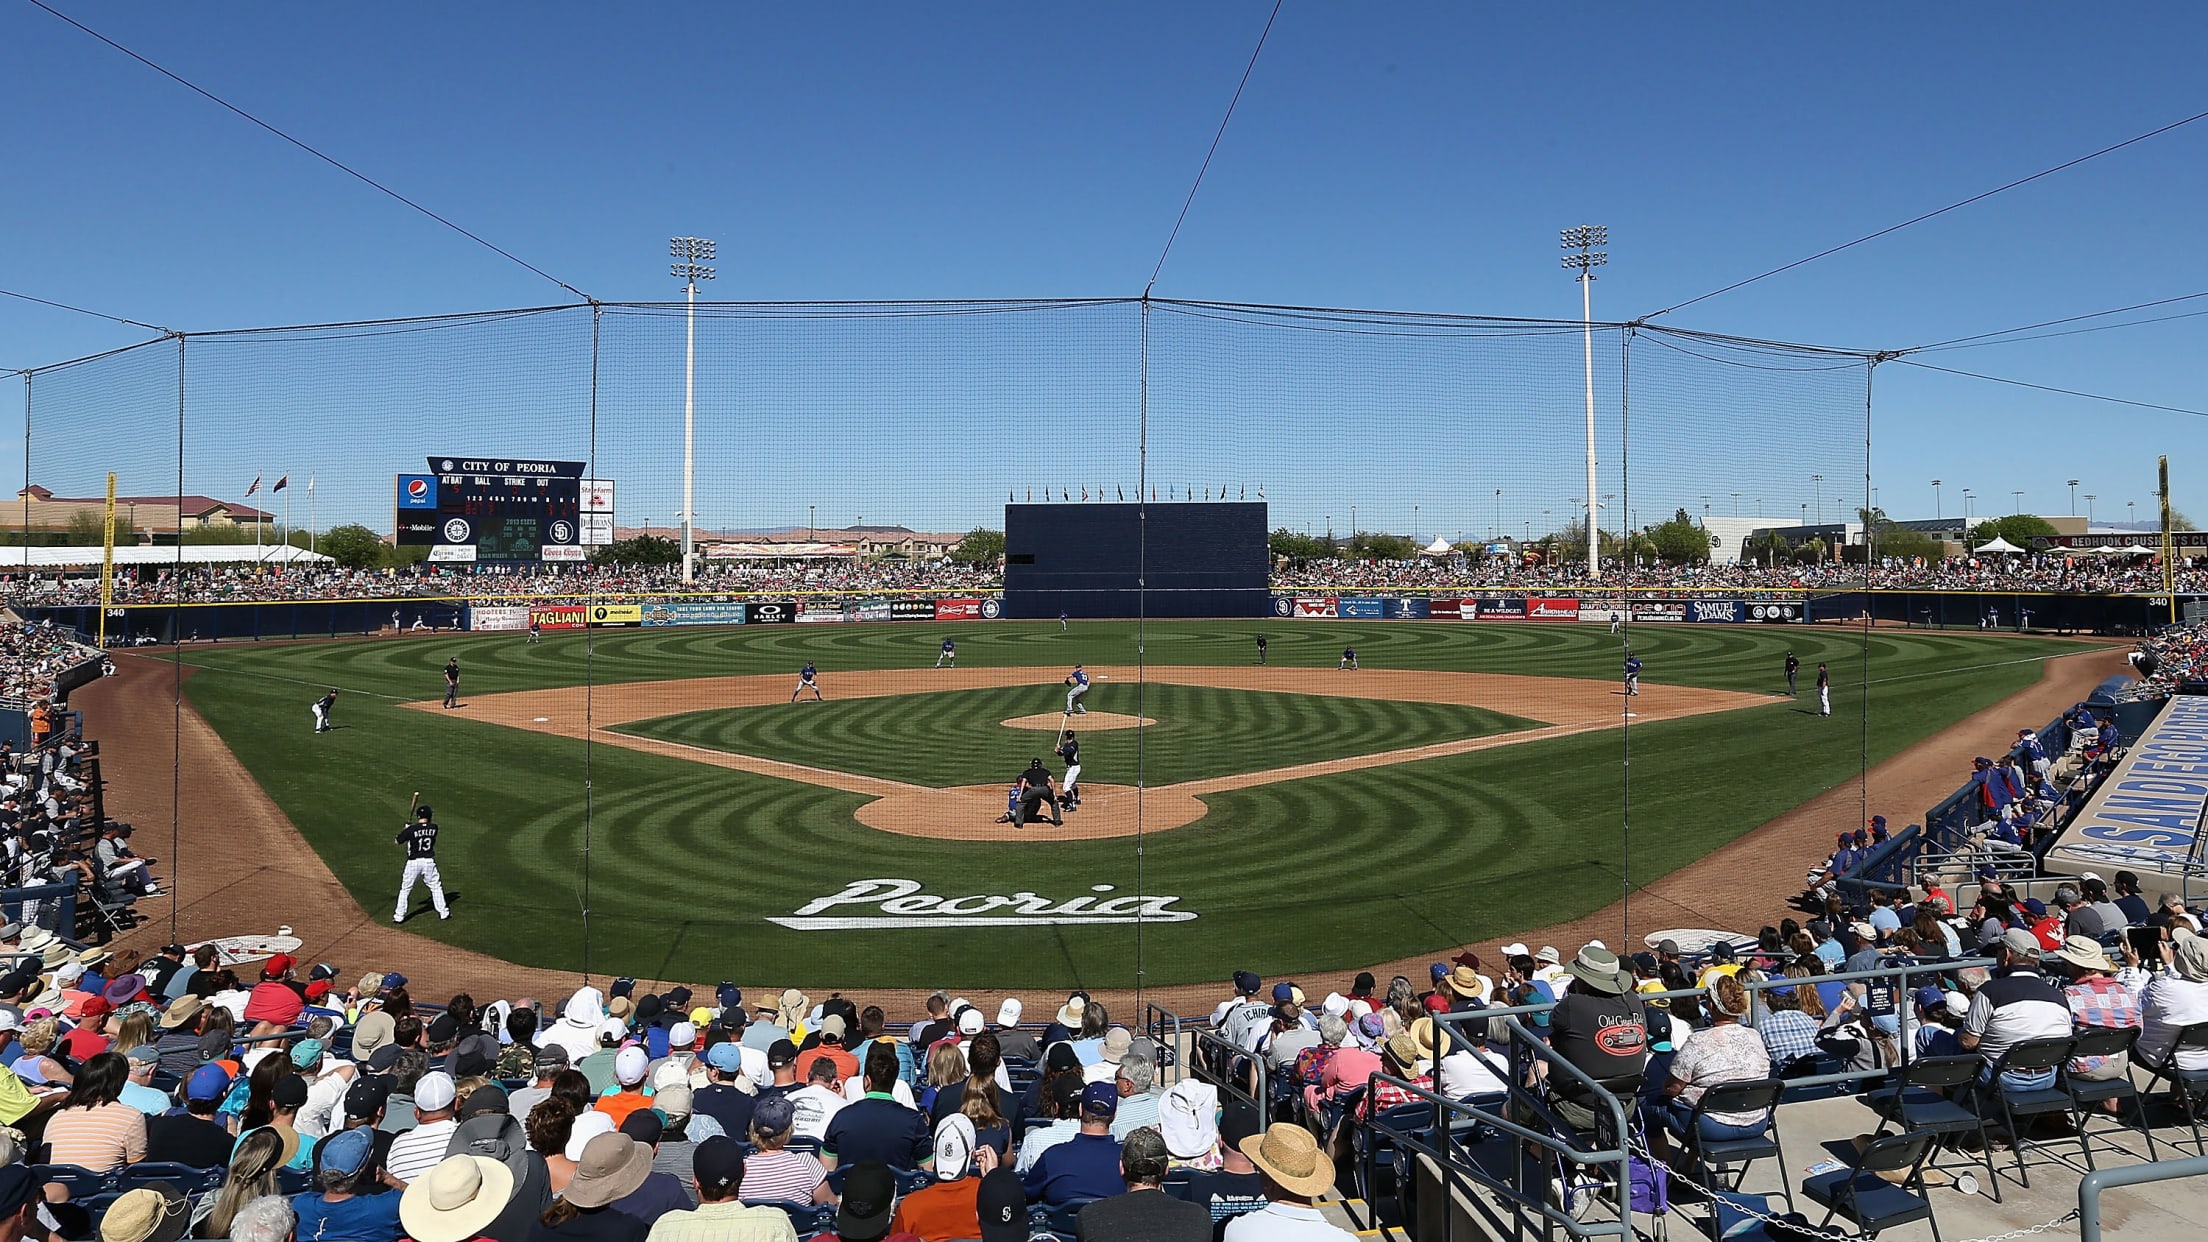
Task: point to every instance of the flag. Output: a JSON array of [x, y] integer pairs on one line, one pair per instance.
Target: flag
[[1084, 493], [1122, 493], [1244, 493], [1031, 495], [310, 485], [1065, 493], [281, 484], [256, 485], [1008, 495], [1153, 493]]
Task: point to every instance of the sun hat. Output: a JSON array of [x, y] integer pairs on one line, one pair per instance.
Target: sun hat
[[154, 1213], [1335, 1003], [459, 1198], [1069, 1014], [1403, 1048], [180, 1011], [1598, 969], [123, 989], [1188, 1117], [1464, 981], [588, 1126], [791, 1008], [629, 1065], [1548, 954], [1288, 1155], [954, 1147], [2190, 958], [870, 1196], [1008, 1013], [1001, 1203], [1116, 1042], [1422, 1033], [613, 1165]]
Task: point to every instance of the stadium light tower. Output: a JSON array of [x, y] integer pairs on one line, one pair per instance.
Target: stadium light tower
[[691, 254], [1581, 255], [2089, 499], [2073, 498], [1936, 514], [2019, 495]]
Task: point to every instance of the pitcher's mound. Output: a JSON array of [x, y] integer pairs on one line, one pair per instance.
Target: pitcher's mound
[[1049, 722]]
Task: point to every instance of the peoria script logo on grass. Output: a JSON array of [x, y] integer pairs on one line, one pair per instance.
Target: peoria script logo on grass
[[901, 904]]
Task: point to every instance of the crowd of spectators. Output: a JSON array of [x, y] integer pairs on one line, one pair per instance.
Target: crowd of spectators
[[33, 656], [2036, 574], [2084, 575], [2175, 657]]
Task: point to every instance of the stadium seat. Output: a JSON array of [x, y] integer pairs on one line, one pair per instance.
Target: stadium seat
[[1864, 1193], [1922, 1100], [182, 1176], [2031, 1055], [1377, 1140], [1063, 1218], [1714, 1156], [81, 1183], [2189, 1086], [2087, 1094]]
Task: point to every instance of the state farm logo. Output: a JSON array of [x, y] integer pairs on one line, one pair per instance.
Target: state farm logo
[[456, 531], [901, 904]]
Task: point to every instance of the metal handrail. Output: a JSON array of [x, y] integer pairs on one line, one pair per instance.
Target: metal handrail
[[2092, 1184], [1164, 1028], [1218, 1076]]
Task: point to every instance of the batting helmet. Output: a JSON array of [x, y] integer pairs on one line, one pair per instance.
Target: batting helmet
[[422, 811]]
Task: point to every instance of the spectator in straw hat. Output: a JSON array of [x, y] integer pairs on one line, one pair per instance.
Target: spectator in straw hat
[[2096, 999], [1295, 1172], [457, 1199], [155, 1213]]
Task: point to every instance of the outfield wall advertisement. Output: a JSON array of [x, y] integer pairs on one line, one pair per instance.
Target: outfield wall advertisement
[[1664, 610], [750, 612]]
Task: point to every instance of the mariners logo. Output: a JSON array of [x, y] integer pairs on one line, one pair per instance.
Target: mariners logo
[[992, 608], [456, 531], [563, 532]]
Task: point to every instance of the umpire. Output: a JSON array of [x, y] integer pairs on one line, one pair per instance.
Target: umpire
[[1035, 794]]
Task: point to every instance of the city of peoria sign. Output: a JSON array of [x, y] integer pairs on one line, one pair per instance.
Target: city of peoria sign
[[901, 903]]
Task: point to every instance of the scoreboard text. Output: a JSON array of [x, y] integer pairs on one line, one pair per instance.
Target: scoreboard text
[[497, 509]]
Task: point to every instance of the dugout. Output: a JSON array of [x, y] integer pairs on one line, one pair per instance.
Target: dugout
[[1178, 559]]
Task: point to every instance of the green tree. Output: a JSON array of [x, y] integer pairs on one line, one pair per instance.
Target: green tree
[[86, 528], [218, 533], [2178, 521], [1286, 544], [1680, 541], [2018, 528], [1373, 546], [981, 546], [352, 546], [641, 550]]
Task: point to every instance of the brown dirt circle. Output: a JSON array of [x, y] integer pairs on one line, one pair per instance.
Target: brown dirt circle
[[970, 813], [1086, 722]]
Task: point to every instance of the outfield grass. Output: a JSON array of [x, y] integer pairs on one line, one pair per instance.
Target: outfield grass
[[688, 861], [956, 738]]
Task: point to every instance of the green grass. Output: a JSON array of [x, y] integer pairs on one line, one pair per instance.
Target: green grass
[[687, 861], [955, 738]]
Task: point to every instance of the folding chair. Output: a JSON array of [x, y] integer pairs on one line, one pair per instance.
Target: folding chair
[[1376, 1142], [2029, 1056], [1865, 1193], [2184, 1083], [2087, 1093], [1923, 1100], [1716, 1156]]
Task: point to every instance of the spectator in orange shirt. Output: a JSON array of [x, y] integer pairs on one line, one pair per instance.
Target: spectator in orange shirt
[[948, 1210], [830, 1048], [629, 1066]]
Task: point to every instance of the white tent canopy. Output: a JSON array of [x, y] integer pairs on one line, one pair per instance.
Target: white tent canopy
[[2133, 549], [1997, 544], [80, 556], [2106, 549], [1439, 547]]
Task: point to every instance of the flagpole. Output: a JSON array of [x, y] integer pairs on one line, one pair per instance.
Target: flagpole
[[310, 515], [258, 524], [287, 514]]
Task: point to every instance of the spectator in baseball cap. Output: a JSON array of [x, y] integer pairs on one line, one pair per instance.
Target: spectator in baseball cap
[[869, 1199], [1085, 1166], [193, 1137], [949, 1207]]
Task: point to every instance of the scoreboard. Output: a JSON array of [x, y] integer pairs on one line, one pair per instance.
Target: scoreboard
[[494, 509]]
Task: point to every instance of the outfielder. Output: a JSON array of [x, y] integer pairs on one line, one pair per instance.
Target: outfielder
[[322, 708], [1078, 679], [948, 655], [1632, 674], [805, 681], [1824, 690], [536, 629], [452, 682], [420, 840], [1069, 753], [1349, 659]]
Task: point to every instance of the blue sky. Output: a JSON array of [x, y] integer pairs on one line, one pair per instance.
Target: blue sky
[[1402, 157]]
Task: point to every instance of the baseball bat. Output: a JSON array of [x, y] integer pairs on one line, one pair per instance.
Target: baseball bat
[[411, 803]]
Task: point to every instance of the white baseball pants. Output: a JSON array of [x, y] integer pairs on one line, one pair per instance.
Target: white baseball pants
[[425, 870]]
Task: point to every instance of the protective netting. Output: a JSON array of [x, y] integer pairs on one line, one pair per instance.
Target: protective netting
[[635, 787]]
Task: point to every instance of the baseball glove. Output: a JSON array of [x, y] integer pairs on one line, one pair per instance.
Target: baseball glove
[[1067, 682]]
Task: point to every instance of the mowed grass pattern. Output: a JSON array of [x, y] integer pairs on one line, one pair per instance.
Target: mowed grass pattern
[[957, 738], [687, 862]]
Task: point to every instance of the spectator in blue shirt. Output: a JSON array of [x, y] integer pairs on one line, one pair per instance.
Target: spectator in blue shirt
[[1085, 1166]]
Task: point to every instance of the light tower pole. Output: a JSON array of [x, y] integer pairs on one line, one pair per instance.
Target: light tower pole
[[1581, 255], [2089, 499], [691, 255], [1936, 514], [2073, 498]]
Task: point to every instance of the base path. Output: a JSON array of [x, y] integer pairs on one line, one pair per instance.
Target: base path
[[969, 813]]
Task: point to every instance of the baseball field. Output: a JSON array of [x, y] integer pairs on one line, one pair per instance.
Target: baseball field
[[1291, 817]]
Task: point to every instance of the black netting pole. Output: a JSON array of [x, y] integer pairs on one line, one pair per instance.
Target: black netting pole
[[176, 668], [1142, 619], [1625, 724], [1870, 549], [590, 647]]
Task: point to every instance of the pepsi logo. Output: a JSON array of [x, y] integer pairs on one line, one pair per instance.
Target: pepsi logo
[[417, 489]]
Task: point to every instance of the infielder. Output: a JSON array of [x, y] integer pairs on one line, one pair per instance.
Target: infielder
[[1069, 753], [1824, 690], [1078, 679], [1793, 668], [1349, 659], [1261, 649], [948, 655], [452, 682], [420, 840], [322, 708], [805, 681], [1632, 674], [536, 630]]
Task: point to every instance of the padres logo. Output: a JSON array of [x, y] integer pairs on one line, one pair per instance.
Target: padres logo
[[1283, 607], [563, 532]]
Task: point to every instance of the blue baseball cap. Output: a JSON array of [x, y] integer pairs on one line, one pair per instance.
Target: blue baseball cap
[[1931, 998], [347, 1150], [208, 1082], [1439, 970], [1100, 1101], [725, 1057], [1283, 993], [729, 996]]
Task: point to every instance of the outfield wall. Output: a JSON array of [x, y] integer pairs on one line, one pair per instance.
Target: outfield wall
[[1542, 608]]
